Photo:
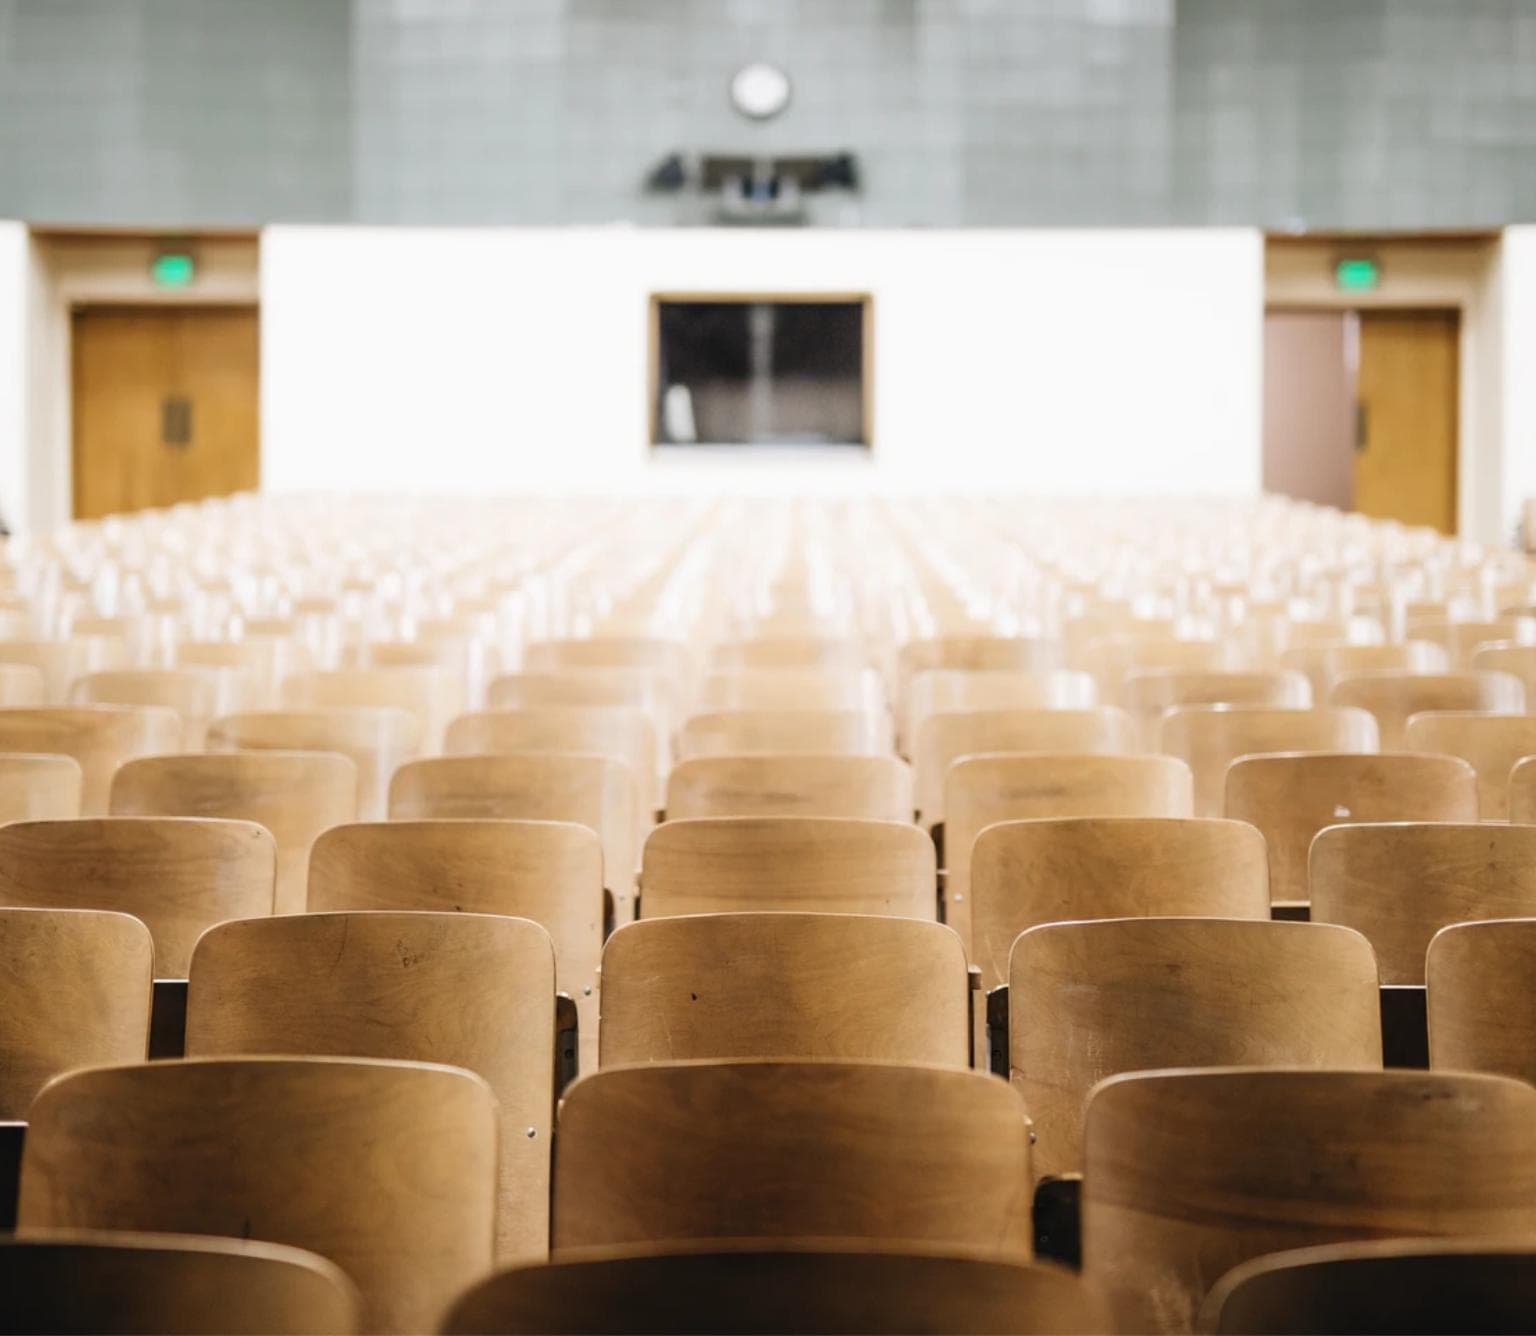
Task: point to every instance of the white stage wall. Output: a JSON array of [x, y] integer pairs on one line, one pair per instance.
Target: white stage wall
[[15, 309], [1518, 300]]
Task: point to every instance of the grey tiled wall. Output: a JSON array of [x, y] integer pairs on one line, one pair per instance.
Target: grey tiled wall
[[1335, 113]]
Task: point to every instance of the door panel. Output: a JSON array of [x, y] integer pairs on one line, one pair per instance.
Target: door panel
[[1405, 460], [1309, 407], [165, 406]]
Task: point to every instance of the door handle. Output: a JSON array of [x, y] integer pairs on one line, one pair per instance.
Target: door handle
[[1362, 424]]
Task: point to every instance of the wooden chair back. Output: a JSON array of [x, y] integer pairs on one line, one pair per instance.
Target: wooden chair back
[[1188, 1173], [668, 657], [1461, 639], [1508, 656], [1111, 659], [467, 990], [196, 695], [22, 684], [180, 875], [376, 739], [956, 690], [433, 696], [1290, 797], [721, 865], [1025, 873], [1325, 663], [1490, 743], [1210, 737], [876, 788], [77, 994], [790, 651], [791, 689], [288, 1150], [38, 787], [1094, 999], [1148, 692], [1481, 1017], [833, 986], [634, 688], [743, 732], [262, 661], [295, 795], [99, 737], [1393, 696], [976, 653], [61, 661], [175, 1284], [815, 1150]]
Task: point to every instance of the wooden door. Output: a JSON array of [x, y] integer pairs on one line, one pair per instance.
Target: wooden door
[[1407, 388], [165, 405]]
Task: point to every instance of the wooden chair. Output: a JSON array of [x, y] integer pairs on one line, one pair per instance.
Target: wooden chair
[[77, 993], [1461, 639], [38, 787], [467, 990], [635, 688], [1490, 743], [976, 653], [1393, 696], [790, 651], [721, 865], [1188, 1173], [836, 986], [375, 739], [433, 695], [810, 1150], [61, 661], [1025, 873], [1090, 1000], [386, 1168], [1290, 797], [1148, 692], [792, 689], [177, 874], [1521, 791], [1210, 737], [195, 694], [785, 1288], [114, 1281], [669, 657], [1481, 1017], [1399, 883], [742, 732], [1325, 663], [295, 795], [945, 738], [1111, 659], [876, 788], [99, 737], [1508, 656], [262, 661], [22, 684], [980, 791], [955, 690], [1378, 1286]]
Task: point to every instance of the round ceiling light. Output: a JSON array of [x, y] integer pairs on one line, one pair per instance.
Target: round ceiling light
[[760, 90]]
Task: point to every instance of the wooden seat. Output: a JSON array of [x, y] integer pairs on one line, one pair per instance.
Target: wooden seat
[[114, 1281], [433, 695], [1378, 1286], [1393, 696], [1399, 883], [720, 865], [1291, 797], [955, 690], [386, 1168], [877, 788], [1090, 1000], [467, 990], [1188, 1173], [1148, 692], [810, 1150], [835, 986], [77, 993], [1210, 737], [780, 1289], [295, 795], [99, 737], [39, 787], [945, 738], [1025, 873], [195, 694], [1480, 997], [1325, 663], [742, 732], [179, 875], [375, 739], [980, 791], [1490, 743]]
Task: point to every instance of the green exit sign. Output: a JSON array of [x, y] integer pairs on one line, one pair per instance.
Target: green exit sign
[[1357, 273], [172, 269]]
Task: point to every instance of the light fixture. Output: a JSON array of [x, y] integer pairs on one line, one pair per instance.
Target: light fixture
[[760, 91]]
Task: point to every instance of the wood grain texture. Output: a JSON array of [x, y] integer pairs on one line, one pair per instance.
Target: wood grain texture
[[781, 1288], [386, 1168], [1393, 696], [180, 875], [945, 738], [1490, 743], [980, 791], [1025, 873], [956, 690], [1188, 1173], [1210, 737], [375, 739], [295, 795], [172, 1284], [39, 787], [1383, 1285], [826, 1150], [1480, 997], [740, 732], [77, 986], [466, 990], [99, 737], [875, 788], [1325, 663], [721, 865], [1147, 692], [830, 986], [1291, 797], [1090, 1000], [433, 695]]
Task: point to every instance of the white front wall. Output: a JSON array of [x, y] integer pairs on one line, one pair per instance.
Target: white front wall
[[1519, 317], [15, 280]]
